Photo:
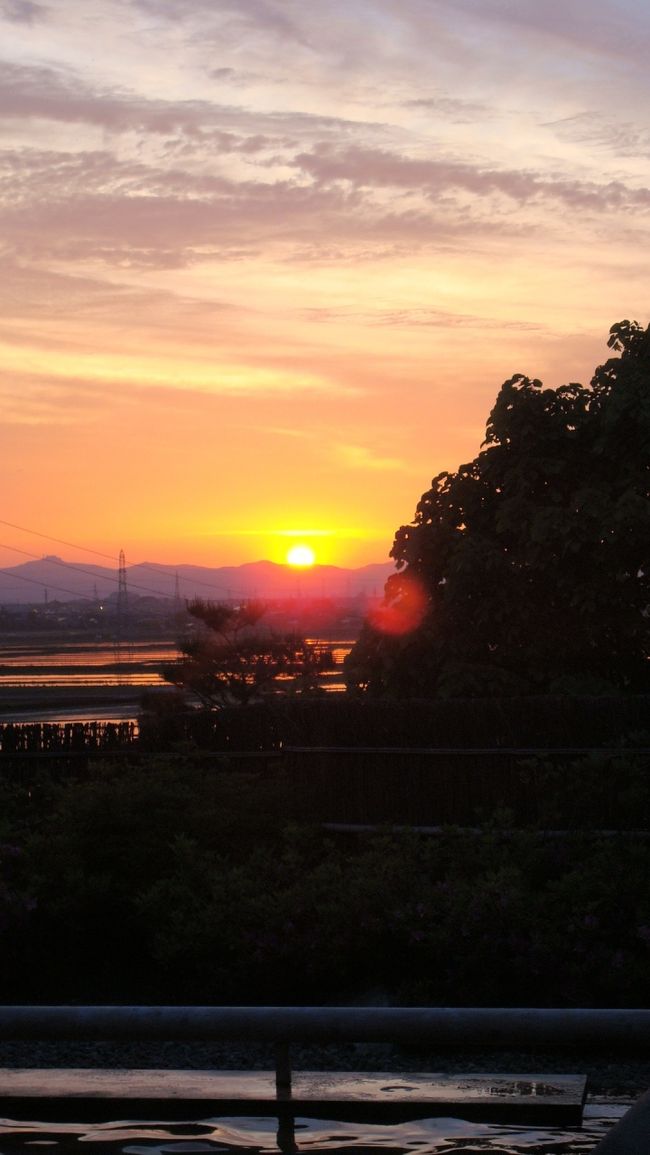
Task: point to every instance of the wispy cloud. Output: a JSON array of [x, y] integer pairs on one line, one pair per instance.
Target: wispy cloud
[[57, 94], [22, 11], [42, 398], [599, 131], [364, 168], [451, 108], [360, 457], [258, 14], [417, 317], [602, 27], [91, 205], [86, 205], [64, 305], [34, 399]]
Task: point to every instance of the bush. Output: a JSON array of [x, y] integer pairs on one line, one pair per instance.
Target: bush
[[182, 883]]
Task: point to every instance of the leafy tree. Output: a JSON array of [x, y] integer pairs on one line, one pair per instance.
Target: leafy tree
[[530, 565], [233, 659]]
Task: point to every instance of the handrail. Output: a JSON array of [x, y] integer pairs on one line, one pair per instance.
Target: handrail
[[436, 751], [475, 831], [134, 750], [491, 1027]]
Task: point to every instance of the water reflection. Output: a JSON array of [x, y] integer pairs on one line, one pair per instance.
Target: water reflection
[[233, 1136], [84, 665], [25, 665]]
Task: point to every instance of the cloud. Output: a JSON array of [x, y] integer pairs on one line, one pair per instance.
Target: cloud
[[453, 109], [339, 201], [602, 27], [59, 306], [33, 399], [166, 183], [203, 131], [260, 14], [620, 138], [28, 91], [41, 398], [22, 11], [439, 319], [87, 204], [419, 318], [360, 457], [364, 168]]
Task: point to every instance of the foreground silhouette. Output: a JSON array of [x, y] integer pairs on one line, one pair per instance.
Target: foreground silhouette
[[528, 569]]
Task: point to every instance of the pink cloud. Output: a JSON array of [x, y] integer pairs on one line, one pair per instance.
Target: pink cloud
[[364, 168], [22, 11]]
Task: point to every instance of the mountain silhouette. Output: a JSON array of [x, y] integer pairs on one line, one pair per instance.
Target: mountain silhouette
[[66, 581]]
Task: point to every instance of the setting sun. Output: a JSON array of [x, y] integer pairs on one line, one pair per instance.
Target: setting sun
[[301, 556]]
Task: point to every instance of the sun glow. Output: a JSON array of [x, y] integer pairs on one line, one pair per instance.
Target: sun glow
[[301, 556]]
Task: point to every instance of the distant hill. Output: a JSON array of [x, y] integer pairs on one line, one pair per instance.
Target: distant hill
[[67, 581]]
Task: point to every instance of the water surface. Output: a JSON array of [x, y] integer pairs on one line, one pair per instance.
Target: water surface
[[259, 1136], [46, 680]]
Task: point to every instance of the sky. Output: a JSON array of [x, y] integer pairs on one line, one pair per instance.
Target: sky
[[267, 262]]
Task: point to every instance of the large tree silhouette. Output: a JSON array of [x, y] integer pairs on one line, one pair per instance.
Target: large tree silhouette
[[528, 569]]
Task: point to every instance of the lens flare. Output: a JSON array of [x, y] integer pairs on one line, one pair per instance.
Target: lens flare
[[405, 611]]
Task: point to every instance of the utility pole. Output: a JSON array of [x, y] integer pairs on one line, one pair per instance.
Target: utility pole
[[122, 612], [179, 610]]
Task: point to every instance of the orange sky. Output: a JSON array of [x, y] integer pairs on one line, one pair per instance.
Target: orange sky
[[266, 263]]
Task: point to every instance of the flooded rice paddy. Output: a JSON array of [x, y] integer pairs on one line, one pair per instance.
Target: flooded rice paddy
[[83, 665], [79, 681]]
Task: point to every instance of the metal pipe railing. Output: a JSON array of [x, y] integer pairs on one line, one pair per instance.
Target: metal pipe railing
[[488, 1027]]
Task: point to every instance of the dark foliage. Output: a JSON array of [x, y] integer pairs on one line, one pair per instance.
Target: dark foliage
[[233, 659], [531, 563], [182, 883], [341, 720]]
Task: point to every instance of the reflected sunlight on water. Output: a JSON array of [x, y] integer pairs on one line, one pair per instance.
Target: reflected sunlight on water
[[81, 680], [260, 1135], [105, 664]]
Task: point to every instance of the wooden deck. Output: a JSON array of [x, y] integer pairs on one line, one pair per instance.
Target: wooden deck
[[63, 1095]]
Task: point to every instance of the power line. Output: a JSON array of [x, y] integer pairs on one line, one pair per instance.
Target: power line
[[168, 573], [77, 569], [98, 553], [61, 589], [48, 537]]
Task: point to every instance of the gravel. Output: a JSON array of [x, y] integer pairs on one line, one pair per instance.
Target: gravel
[[607, 1074]]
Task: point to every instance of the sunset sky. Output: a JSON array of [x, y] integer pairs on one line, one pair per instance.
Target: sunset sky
[[267, 262]]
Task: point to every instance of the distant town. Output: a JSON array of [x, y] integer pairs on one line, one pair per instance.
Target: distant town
[[158, 617], [97, 604]]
